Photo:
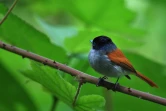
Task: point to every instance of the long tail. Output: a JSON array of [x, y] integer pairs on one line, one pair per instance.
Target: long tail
[[150, 82]]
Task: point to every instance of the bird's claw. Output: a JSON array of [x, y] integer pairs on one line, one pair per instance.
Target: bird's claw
[[104, 77], [101, 79], [114, 88]]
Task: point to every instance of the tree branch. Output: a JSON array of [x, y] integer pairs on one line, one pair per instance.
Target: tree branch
[[8, 12], [55, 100], [81, 81], [86, 77], [108, 98]]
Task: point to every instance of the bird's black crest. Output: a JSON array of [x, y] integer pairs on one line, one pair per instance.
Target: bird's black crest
[[101, 41]]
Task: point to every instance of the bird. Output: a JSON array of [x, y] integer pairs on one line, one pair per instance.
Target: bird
[[105, 58]]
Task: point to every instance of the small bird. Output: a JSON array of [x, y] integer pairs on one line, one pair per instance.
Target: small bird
[[107, 59]]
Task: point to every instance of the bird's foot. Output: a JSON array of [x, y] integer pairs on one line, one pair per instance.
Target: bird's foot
[[101, 79], [114, 88]]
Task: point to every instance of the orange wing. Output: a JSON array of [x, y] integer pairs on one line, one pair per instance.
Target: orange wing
[[119, 58]]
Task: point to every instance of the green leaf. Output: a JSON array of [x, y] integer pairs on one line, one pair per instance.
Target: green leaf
[[41, 98], [108, 15], [90, 103], [81, 42], [52, 81], [48, 7], [10, 91], [61, 106], [155, 38], [23, 35], [114, 15], [57, 34], [62, 89]]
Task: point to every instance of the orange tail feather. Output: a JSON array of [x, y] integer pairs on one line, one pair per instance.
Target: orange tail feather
[[147, 80]]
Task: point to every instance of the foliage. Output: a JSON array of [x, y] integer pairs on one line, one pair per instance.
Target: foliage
[[61, 30], [62, 89]]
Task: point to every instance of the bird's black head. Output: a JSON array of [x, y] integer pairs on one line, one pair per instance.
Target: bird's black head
[[102, 42]]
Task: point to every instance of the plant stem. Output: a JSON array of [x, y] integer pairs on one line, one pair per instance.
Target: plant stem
[[55, 100], [8, 12], [87, 78]]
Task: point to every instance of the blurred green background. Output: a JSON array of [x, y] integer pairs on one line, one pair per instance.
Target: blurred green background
[[61, 30]]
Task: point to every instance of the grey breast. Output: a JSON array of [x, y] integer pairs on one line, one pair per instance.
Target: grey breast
[[101, 63]]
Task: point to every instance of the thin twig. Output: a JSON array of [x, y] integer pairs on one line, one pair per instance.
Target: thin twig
[[108, 98], [78, 90], [55, 100], [8, 12], [86, 77]]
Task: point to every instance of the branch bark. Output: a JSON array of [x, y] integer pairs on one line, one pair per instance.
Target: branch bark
[[55, 100], [8, 12], [78, 91], [86, 77]]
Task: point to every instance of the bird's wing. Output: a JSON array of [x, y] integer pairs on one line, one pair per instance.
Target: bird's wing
[[117, 57]]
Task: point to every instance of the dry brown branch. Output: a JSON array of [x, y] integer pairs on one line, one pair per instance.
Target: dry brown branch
[[87, 78], [8, 12]]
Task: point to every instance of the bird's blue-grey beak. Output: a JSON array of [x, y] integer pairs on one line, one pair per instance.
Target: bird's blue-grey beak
[[91, 41]]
